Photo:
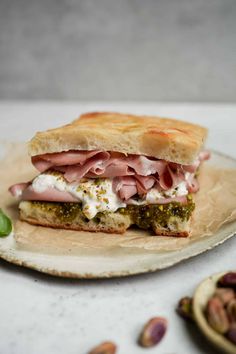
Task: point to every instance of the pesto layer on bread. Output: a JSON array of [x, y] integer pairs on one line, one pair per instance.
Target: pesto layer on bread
[[172, 218]]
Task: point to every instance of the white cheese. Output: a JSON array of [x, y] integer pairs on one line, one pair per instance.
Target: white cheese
[[44, 181], [178, 191], [96, 195], [154, 194]]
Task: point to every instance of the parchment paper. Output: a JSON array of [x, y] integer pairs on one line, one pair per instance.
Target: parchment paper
[[215, 205]]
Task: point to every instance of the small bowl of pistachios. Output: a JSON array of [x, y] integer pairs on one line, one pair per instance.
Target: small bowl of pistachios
[[214, 310]]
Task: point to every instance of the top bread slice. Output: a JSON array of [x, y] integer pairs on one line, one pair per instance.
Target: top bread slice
[[163, 138]]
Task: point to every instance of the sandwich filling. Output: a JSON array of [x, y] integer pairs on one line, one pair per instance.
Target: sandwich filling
[[101, 181]]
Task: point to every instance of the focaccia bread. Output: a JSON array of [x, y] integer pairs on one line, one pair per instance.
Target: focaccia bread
[[163, 138]]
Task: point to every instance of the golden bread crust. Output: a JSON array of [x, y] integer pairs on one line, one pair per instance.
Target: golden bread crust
[[75, 227], [161, 232], [163, 138]]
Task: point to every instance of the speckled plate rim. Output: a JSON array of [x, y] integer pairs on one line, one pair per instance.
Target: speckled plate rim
[[93, 266], [201, 296]]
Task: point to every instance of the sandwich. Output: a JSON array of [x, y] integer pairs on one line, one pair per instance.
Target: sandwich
[[108, 171]]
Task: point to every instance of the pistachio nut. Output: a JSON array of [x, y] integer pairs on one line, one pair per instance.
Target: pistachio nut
[[231, 334], [225, 294], [228, 280], [184, 308], [216, 315], [231, 311], [153, 332], [104, 348]]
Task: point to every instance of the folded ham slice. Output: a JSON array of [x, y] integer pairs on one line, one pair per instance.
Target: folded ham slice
[[17, 189], [131, 174], [66, 158]]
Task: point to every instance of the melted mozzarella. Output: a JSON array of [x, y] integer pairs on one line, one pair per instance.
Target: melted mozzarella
[[154, 194], [44, 181], [178, 191], [96, 195]]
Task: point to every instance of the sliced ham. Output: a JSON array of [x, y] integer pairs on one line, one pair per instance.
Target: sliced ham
[[46, 161], [127, 191], [128, 186], [50, 194], [17, 189], [125, 187], [94, 164], [204, 155], [24, 191], [192, 184], [191, 168], [171, 177], [80, 164], [145, 166], [144, 184], [131, 174]]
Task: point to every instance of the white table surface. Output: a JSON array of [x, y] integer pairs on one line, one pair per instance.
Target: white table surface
[[41, 314]]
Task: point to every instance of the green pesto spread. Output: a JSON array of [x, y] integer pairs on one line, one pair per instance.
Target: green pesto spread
[[65, 212], [143, 216]]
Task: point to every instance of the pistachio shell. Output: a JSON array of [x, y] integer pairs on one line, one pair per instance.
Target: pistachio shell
[[225, 294], [231, 311], [216, 315], [104, 348], [228, 279], [153, 332], [231, 335], [184, 308]]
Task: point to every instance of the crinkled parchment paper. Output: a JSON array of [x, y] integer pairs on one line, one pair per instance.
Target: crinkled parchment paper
[[215, 205]]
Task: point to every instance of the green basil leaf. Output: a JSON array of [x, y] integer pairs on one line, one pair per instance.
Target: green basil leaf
[[5, 224]]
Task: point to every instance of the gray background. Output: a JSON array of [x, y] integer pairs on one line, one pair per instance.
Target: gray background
[[173, 50]]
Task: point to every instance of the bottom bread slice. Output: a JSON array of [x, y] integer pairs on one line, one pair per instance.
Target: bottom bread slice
[[171, 219]]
